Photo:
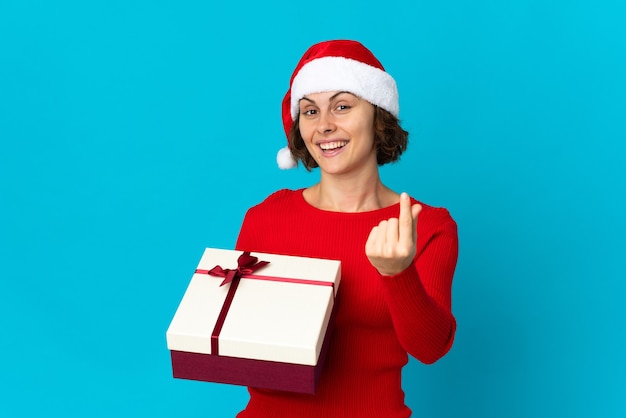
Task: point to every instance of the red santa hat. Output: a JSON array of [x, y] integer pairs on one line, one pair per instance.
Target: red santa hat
[[339, 65]]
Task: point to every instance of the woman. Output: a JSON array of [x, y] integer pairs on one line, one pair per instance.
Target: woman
[[398, 256]]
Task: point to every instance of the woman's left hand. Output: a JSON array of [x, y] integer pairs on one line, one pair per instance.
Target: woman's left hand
[[391, 246]]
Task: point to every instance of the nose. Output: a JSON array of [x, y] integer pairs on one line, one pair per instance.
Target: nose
[[326, 123]]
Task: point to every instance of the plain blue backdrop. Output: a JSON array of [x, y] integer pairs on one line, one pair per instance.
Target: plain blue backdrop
[[136, 133]]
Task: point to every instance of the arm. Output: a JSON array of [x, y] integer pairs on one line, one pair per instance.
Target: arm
[[417, 285], [419, 298]]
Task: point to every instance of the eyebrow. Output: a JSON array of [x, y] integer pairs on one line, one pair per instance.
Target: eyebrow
[[331, 97]]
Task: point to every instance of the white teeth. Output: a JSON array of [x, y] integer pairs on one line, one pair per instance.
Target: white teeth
[[332, 145]]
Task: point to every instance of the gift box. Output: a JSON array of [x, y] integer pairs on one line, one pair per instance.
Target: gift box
[[255, 319]]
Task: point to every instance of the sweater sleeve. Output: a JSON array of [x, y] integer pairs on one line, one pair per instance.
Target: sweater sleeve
[[419, 298]]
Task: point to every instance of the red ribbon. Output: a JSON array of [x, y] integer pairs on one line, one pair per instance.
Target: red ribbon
[[246, 265]]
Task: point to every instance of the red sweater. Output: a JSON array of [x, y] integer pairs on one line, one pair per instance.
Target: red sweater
[[379, 319]]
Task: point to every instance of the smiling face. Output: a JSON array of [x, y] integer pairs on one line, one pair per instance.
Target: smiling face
[[338, 131]]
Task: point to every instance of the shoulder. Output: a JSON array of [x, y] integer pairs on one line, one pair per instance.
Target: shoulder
[[436, 229], [282, 195], [435, 218], [276, 203], [264, 224], [279, 198]]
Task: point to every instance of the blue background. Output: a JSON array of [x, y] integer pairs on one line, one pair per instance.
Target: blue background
[[134, 134]]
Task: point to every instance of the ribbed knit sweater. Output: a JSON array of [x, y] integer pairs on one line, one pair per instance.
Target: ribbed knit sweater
[[379, 318]]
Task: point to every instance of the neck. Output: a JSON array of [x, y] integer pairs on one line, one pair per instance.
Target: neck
[[350, 193]]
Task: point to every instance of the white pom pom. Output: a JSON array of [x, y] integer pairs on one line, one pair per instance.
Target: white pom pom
[[285, 159]]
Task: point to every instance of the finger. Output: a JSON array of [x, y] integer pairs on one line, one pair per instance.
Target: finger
[[371, 243], [406, 220], [381, 236], [415, 211], [392, 232]]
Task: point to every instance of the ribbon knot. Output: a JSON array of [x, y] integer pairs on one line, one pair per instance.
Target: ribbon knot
[[246, 264]]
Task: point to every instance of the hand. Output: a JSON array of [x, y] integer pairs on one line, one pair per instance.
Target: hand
[[390, 246]]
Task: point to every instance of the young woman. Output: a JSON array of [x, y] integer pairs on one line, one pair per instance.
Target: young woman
[[398, 255]]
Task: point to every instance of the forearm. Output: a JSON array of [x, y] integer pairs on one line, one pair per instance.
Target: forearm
[[420, 297], [424, 328]]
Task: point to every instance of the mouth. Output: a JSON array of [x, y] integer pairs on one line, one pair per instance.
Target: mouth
[[330, 147]]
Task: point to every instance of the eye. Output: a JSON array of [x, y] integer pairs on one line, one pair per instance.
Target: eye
[[308, 112], [342, 107]]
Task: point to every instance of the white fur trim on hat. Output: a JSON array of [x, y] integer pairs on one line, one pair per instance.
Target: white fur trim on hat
[[285, 159], [343, 74]]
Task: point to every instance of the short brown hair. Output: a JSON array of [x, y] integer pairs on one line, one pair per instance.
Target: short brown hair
[[389, 138]]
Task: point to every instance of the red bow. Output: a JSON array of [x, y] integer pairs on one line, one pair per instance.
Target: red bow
[[247, 264]]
